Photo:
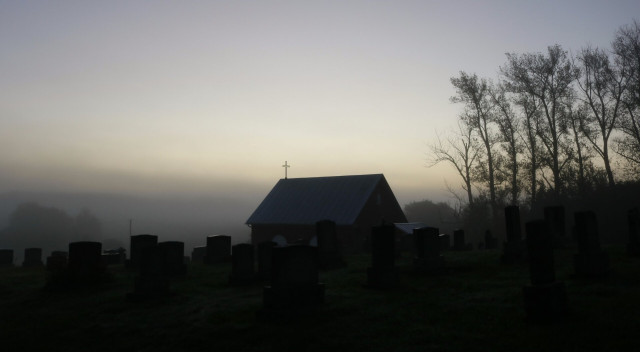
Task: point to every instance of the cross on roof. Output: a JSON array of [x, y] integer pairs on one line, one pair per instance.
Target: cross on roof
[[286, 166]]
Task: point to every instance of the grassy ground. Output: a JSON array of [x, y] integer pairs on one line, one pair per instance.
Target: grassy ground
[[476, 306]]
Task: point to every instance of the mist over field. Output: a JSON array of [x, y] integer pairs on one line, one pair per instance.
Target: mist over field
[[187, 218]]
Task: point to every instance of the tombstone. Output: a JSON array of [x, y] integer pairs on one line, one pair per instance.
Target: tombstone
[[151, 281], [513, 250], [459, 241], [633, 218], [545, 299], [294, 288], [383, 272], [198, 254], [591, 260], [6, 257], [490, 242], [137, 244], [32, 257], [218, 249], [242, 264], [172, 253], [427, 249], [57, 261], [555, 218], [265, 250], [328, 246], [85, 262], [445, 242]]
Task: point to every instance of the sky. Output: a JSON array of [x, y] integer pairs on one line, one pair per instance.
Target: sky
[[212, 97]]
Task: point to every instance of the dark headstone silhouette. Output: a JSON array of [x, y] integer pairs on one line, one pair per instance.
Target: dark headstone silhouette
[[591, 260], [84, 266], [32, 257], [513, 250], [294, 289], [328, 245], [459, 242], [172, 253], [151, 281], [137, 244], [633, 218], [545, 299], [265, 251], [6, 257], [490, 242], [57, 261], [427, 249], [242, 264], [198, 254], [555, 218], [218, 249], [383, 272], [445, 242]]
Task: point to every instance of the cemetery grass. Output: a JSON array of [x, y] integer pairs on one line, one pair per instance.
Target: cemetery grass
[[475, 304]]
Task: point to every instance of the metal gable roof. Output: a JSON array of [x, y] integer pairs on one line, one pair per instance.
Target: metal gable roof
[[305, 201]]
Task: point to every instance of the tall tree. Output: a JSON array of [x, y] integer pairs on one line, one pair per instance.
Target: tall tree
[[508, 124], [461, 152], [547, 78], [602, 86], [473, 92], [626, 48]]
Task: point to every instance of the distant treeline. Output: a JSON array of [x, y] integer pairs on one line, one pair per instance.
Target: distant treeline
[[35, 225]]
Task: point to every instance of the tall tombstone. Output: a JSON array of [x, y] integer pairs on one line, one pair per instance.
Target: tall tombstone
[[198, 254], [459, 243], [294, 287], [32, 257], [383, 272], [218, 249], [591, 260], [265, 254], [6, 257], [85, 262], [513, 250], [151, 281], [633, 218], [172, 253], [242, 264], [555, 218], [137, 244], [545, 299], [427, 249], [329, 253]]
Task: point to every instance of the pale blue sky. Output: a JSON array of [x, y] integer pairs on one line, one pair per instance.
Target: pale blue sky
[[214, 96]]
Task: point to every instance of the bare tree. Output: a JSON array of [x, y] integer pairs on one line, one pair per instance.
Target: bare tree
[[602, 86], [508, 125], [548, 79], [626, 48], [460, 151], [473, 92]]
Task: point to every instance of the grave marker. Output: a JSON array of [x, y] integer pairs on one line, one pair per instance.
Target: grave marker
[[383, 272], [545, 299], [591, 260], [513, 250], [242, 264], [218, 249], [137, 244], [328, 245], [32, 257], [427, 248]]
